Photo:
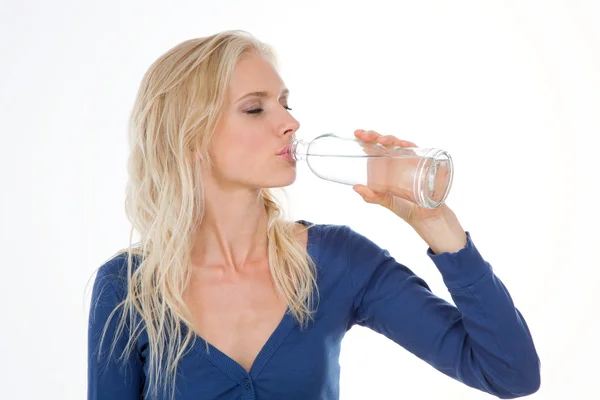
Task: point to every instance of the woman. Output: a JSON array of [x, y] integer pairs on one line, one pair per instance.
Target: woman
[[224, 299]]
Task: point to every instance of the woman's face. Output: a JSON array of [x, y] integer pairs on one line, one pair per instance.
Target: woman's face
[[255, 127]]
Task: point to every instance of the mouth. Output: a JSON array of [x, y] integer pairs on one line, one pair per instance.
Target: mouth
[[285, 153], [285, 150]]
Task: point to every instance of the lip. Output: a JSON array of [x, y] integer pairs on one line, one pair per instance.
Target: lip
[[284, 150], [285, 154]]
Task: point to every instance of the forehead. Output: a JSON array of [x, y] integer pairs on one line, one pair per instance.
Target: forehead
[[254, 73]]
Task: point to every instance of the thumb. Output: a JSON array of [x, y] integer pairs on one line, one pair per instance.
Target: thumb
[[368, 195]]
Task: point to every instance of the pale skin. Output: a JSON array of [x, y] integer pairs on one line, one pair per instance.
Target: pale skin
[[231, 296]]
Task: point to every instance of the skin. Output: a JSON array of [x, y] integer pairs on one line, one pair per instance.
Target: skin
[[244, 151], [438, 227], [231, 296]]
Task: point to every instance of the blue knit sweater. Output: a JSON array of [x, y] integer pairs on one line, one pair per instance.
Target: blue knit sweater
[[483, 342]]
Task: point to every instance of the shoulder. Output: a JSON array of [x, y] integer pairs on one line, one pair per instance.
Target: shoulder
[[337, 233], [112, 273], [325, 233], [340, 239], [343, 251]]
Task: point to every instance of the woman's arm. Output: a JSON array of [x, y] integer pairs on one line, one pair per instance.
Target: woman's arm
[[109, 377], [483, 342]]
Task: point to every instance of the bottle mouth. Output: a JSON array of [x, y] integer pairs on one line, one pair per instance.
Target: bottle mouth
[[291, 149], [435, 179], [297, 150]]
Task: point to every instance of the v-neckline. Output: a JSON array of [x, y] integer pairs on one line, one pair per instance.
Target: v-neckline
[[234, 369]]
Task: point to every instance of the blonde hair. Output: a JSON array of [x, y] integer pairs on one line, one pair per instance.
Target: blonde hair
[[179, 103]]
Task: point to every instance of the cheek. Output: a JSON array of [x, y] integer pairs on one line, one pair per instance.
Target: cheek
[[241, 150], [241, 135], [244, 143]]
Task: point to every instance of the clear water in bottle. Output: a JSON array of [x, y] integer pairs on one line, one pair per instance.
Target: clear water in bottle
[[420, 175]]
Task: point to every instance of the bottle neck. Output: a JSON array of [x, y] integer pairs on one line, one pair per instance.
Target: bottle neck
[[298, 150]]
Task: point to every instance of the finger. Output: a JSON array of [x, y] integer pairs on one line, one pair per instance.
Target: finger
[[358, 133], [406, 143], [367, 136], [401, 193], [389, 140]]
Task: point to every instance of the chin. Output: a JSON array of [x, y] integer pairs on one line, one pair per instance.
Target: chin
[[281, 179]]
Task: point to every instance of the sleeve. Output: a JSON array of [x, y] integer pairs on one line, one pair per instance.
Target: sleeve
[[109, 377], [483, 341]]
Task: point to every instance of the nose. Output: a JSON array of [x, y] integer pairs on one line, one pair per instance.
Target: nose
[[289, 125]]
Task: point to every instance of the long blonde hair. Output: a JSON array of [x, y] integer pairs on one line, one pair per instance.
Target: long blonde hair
[[179, 103]]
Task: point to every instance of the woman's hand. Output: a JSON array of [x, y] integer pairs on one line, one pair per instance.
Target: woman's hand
[[382, 172]]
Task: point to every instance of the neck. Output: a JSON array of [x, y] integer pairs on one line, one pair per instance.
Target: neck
[[233, 232]]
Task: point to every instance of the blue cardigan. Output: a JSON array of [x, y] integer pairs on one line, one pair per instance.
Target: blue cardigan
[[483, 342]]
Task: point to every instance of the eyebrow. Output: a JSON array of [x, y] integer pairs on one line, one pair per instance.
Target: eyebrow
[[262, 94]]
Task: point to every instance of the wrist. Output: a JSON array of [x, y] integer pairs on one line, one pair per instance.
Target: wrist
[[442, 234]]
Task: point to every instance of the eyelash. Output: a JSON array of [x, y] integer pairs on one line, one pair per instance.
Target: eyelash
[[259, 110]]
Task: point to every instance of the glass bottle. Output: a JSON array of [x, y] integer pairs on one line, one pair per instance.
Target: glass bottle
[[420, 175]]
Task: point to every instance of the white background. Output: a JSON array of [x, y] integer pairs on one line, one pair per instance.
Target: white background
[[510, 88]]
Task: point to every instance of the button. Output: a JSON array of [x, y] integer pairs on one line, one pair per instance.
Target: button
[[247, 384]]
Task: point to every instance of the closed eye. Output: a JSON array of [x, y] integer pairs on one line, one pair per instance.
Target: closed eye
[[260, 110]]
